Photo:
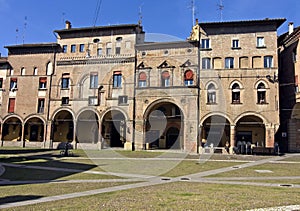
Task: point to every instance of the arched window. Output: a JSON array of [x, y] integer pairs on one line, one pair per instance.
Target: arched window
[[244, 62], [256, 62], [108, 48], [211, 94], [261, 93], [23, 71], [188, 78], [165, 79], [236, 96], [142, 79], [217, 63]]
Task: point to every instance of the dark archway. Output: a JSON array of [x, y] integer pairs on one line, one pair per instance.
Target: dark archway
[[87, 127], [12, 129], [34, 130], [114, 129], [216, 131], [63, 127], [251, 129], [164, 127]]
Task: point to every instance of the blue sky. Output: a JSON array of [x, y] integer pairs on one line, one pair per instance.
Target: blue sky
[[172, 17]]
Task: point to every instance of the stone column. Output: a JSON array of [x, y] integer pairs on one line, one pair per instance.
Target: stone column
[[22, 135], [232, 138]]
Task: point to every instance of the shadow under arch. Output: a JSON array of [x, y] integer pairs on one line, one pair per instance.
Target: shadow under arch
[[163, 125], [87, 127]]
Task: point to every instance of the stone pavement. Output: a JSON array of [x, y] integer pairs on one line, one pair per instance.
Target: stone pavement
[[146, 180]]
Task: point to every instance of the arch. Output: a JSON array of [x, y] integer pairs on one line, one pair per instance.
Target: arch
[[250, 129], [62, 126], [162, 119], [215, 131], [87, 126], [266, 84], [236, 82], [211, 82], [34, 129], [12, 128], [113, 128], [216, 114]]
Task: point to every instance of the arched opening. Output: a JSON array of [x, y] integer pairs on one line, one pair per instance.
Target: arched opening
[[216, 131], [12, 129], [250, 130], [87, 127], [163, 127], [34, 130], [114, 129], [63, 127]]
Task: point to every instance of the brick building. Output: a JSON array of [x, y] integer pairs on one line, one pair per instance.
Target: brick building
[[105, 86], [289, 72]]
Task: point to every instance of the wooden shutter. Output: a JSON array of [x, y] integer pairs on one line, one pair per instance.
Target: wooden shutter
[[11, 105]]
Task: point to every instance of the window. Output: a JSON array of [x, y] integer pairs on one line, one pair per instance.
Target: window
[[11, 72], [117, 79], [99, 51], [23, 71], [94, 81], [11, 105], [206, 63], [49, 68], [73, 48], [35, 71], [217, 63], [261, 94], [93, 100], [65, 81], [43, 83], [81, 48], [211, 94], [256, 62], [268, 62], [41, 105], [260, 42], [13, 84], [296, 83], [165, 79], [142, 79], [123, 100], [229, 63], [127, 44], [118, 45], [235, 93], [188, 78], [235, 43], [109, 48], [205, 43], [244, 62], [1, 83], [64, 48], [65, 100]]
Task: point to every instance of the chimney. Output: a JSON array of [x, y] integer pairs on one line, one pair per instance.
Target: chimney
[[68, 25], [291, 27]]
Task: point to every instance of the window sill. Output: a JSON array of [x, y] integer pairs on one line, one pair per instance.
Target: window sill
[[13, 90], [262, 103], [236, 103], [65, 88], [205, 49], [261, 47], [236, 48], [65, 104], [42, 89], [211, 103]]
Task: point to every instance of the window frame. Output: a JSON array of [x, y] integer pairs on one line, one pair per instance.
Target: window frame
[[93, 101], [229, 63], [211, 94], [64, 49], [206, 63], [94, 80], [205, 43], [65, 101], [260, 42], [73, 48], [236, 94], [268, 62], [261, 93], [81, 48], [235, 44], [117, 80], [13, 86], [43, 83], [41, 106]]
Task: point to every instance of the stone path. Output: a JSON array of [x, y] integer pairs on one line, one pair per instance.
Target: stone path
[[147, 180]]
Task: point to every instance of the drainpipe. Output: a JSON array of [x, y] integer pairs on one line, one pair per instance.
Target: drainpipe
[[199, 95], [49, 100]]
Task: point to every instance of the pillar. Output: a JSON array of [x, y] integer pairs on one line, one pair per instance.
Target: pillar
[[232, 138]]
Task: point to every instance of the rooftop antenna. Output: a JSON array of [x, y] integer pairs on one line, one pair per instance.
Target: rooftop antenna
[[221, 8], [193, 8], [63, 17], [17, 35], [140, 14], [25, 27]]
